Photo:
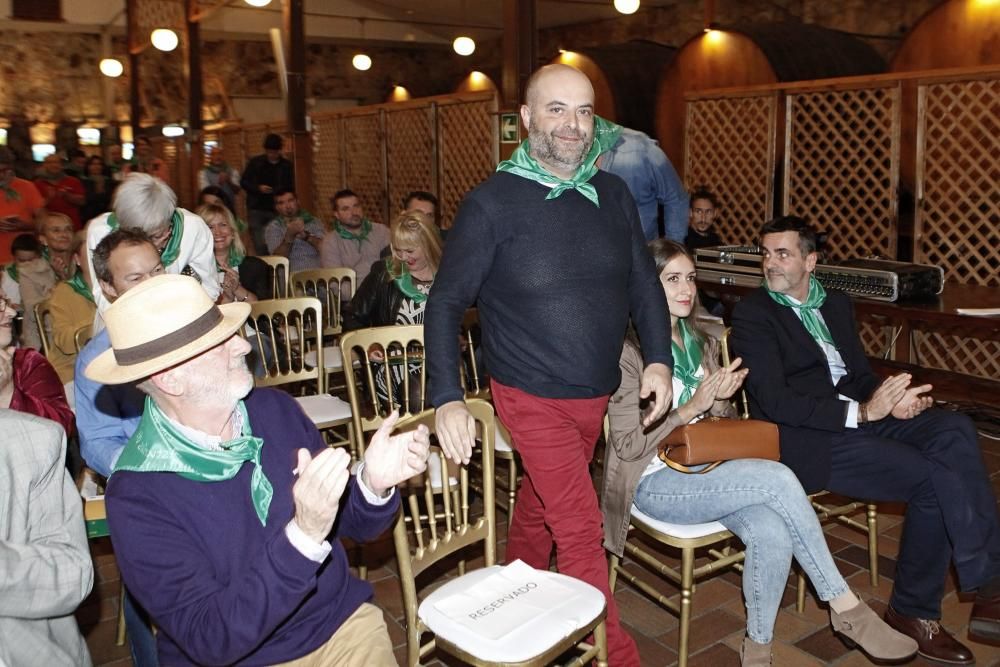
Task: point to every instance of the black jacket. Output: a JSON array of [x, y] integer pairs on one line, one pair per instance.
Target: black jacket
[[377, 301], [260, 171], [789, 381]]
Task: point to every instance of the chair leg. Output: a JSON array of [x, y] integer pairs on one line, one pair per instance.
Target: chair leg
[[800, 593], [601, 641], [120, 630], [412, 644], [687, 579], [872, 515], [613, 572], [511, 490]]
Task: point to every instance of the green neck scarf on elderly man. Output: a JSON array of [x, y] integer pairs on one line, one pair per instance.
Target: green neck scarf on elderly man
[[522, 164]]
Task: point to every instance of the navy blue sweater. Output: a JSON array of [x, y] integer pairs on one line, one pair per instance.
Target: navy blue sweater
[[555, 281], [222, 588]]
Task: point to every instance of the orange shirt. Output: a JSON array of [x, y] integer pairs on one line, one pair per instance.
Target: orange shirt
[[23, 206]]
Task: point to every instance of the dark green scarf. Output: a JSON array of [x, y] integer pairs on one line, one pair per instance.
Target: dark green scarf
[[172, 250], [687, 361], [404, 282], [10, 193], [158, 446], [522, 164], [12, 271], [80, 286], [344, 233], [233, 260], [808, 310]]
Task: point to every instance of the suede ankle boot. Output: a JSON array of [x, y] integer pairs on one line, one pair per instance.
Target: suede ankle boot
[[753, 654], [861, 626]]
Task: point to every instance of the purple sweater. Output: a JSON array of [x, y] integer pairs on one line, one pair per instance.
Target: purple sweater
[[220, 587]]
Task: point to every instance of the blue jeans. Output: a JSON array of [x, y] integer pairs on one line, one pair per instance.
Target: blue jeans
[[763, 504], [142, 642]]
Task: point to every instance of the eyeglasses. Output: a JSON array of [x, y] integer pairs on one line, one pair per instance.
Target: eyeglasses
[[702, 211]]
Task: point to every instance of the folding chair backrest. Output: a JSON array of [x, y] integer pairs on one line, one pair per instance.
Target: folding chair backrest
[[317, 282], [474, 378], [742, 404], [44, 326], [283, 330], [82, 336], [280, 275], [402, 381]]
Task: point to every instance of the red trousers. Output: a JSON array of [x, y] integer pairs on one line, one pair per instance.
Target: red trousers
[[557, 503]]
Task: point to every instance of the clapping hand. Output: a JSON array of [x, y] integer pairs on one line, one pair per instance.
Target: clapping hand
[[732, 378], [391, 459], [913, 403], [317, 491]]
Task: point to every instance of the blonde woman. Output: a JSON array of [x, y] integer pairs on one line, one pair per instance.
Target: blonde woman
[[242, 277]]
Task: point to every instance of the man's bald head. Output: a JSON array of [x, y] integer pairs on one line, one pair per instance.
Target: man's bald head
[[556, 75], [559, 115]]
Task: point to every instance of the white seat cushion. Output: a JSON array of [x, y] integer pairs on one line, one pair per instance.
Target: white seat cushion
[[540, 629], [686, 531], [500, 443], [332, 359], [324, 409], [70, 395]]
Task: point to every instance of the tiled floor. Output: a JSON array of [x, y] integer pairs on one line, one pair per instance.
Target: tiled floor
[[719, 617]]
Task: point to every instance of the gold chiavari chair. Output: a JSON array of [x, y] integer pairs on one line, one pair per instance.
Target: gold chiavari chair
[[280, 274], [333, 287]]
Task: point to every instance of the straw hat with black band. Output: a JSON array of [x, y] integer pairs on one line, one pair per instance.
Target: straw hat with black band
[[160, 323]]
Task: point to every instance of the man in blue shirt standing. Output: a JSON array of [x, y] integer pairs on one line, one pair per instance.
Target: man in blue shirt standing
[[638, 160]]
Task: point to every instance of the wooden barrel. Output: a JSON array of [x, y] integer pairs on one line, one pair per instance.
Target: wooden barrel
[[958, 33], [751, 55], [624, 78]]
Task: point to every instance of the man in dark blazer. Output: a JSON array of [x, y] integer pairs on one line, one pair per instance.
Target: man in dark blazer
[[845, 430]]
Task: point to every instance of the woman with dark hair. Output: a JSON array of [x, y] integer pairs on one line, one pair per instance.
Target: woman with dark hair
[[759, 501], [98, 188]]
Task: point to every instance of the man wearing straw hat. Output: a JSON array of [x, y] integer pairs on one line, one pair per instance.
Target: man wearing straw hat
[[223, 503]]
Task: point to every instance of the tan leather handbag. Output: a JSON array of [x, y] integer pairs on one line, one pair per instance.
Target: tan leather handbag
[[714, 440]]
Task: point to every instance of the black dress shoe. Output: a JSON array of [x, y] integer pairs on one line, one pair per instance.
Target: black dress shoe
[[984, 622], [934, 642]]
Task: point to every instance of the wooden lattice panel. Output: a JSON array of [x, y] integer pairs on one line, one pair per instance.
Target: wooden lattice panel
[[729, 148], [328, 173], [958, 172], [842, 167], [231, 141], [467, 151], [363, 162], [874, 337], [410, 154], [253, 139], [956, 353], [151, 14]]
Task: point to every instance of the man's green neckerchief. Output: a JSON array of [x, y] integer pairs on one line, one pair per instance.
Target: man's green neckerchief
[[172, 250], [9, 193], [80, 286], [404, 282], [159, 446], [808, 310], [344, 233], [687, 361], [522, 164]]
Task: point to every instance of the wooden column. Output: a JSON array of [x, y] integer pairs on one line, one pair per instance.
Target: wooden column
[[132, 38], [195, 97], [295, 58], [520, 49]]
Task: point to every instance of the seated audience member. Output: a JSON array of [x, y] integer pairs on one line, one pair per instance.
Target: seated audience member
[[223, 504], [19, 202], [44, 556], [27, 282], [71, 308], [99, 187], [426, 203], [58, 238], [76, 163], [651, 178], [760, 501], [355, 241], [61, 192], [395, 291], [219, 174], [242, 277], [701, 233], [846, 430], [295, 233], [147, 204], [144, 161], [216, 195], [28, 383], [108, 415]]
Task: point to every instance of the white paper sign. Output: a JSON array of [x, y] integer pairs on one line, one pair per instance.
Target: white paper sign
[[515, 596]]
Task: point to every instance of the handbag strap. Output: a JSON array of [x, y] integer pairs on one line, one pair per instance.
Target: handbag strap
[[680, 467]]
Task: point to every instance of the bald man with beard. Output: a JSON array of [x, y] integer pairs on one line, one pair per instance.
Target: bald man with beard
[[554, 253]]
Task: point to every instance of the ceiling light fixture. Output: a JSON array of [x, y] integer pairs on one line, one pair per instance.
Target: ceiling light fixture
[[111, 67], [464, 46], [627, 6], [361, 62], [164, 39], [258, 3], [173, 131]]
